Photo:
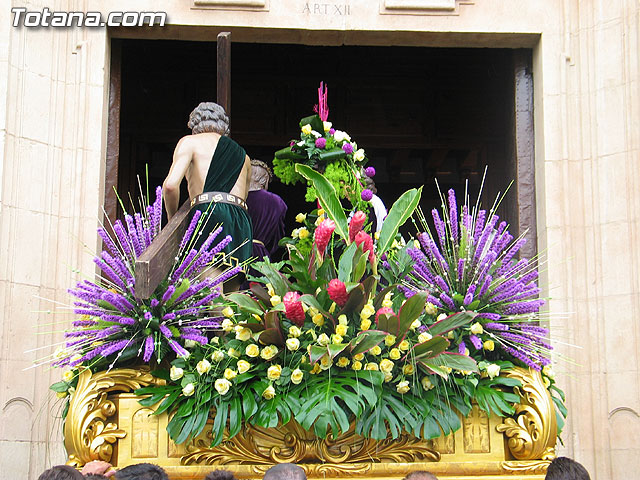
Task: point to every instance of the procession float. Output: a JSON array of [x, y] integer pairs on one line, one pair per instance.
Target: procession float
[[362, 353]]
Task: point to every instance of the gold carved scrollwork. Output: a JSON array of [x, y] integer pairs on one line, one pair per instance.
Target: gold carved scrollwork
[[526, 468], [532, 431], [291, 443], [88, 435]]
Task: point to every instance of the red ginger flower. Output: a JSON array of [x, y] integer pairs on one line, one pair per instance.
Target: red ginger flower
[[364, 240], [323, 234], [356, 224], [338, 292], [383, 311], [293, 308]]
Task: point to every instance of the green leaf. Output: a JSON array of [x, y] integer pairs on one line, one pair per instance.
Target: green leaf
[[312, 301], [246, 303], [180, 289], [457, 361], [328, 199], [366, 340], [430, 348], [400, 211], [360, 266], [410, 310], [315, 121], [452, 322], [345, 265], [286, 153], [356, 300], [316, 353], [336, 349], [59, 387], [335, 153]]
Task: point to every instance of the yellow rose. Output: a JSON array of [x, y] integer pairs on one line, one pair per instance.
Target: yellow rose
[[395, 354], [230, 374], [424, 337], [252, 350], [388, 376], [358, 155], [367, 311], [451, 335], [343, 362], [215, 340], [188, 389], [389, 340], [323, 339], [386, 365], [386, 302], [476, 328], [371, 366], [318, 319], [176, 373], [316, 369], [376, 350], [243, 366], [294, 331], [365, 324], [548, 371], [327, 126], [68, 376], [275, 300], [313, 334], [426, 383], [442, 316], [270, 290], [319, 220], [332, 308], [430, 309], [415, 324], [234, 353], [303, 233], [227, 325], [408, 369], [356, 365], [190, 343], [61, 394], [403, 387], [269, 352], [296, 376], [203, 367], [320, 212], [358, 356], [489, 345], [493, 370], [377, 236], [243, 334], [306, 129], [269, 392], [293, 344], [274, 372], [218, 356], [342, 320], [404, 345], [336, 339], [227, 312], [341, 330], [301, 217], [325, 362], [295, 232]]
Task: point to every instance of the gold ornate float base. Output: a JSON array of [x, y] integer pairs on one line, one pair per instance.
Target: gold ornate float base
[[106, 422]]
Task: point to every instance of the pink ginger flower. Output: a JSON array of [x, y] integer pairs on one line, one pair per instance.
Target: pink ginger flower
[[356, 224], [364, 240], [293, 308], [323, 234], [384, 311], [338, 292]]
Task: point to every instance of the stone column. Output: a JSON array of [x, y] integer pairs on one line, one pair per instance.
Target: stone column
[[52, 138]]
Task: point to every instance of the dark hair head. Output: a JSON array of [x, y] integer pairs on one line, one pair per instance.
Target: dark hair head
[[563, 468], [61, 472], [285, 471], [95, 476], [209, 117], [220, 475], [142, 471], [420, 475]]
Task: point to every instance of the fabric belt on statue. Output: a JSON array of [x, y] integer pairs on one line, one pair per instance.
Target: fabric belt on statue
[[218, 197]]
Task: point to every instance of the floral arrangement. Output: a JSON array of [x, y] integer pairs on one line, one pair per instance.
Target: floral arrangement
[[327, 150]]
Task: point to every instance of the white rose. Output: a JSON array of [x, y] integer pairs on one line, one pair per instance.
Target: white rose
[[203, 367], [222, 386], [188, 389], [293, 344], [243, 334], [176, 373], [323, 339], [493, 370], [358, 155]]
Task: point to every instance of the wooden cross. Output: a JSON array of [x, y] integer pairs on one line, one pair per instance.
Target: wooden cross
[[154, 263]]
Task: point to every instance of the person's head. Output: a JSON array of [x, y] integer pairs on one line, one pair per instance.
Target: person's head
[[61, 472], [420, 475], [260, 175], [95, 476], [563, 468], [141, 471], [209, 117], [285, 471], [220, 475]]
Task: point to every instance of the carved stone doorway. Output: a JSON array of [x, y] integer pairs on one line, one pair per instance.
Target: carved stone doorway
[[419, 112]]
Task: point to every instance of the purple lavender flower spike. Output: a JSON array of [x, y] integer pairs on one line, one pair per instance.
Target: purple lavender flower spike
[[102, 334], [496, 326], [485, 286], [514, 337], [479, 226], [124, 240], [442, 284], [447, 300], [530, 277], [154, 302], [423, 238], [108, 271], [187, 311], [113, 347], [523, 307], [484, 237], [92, 313], [509, 255], [435, 301], [157, 210], [453, 214], [477, 343], [466, 219], [148, 316], [133, 235], [84, 323], [490, 316], [165, 331], [192, 226], [406, 291], [196, 338], [108, 242], [185, 263], [210, 323], [460, 269], [520, 356], [168, 293], [116, 265], [220, 246], [176, 347], [232, 272], [214, 294], [468, 298], [149, 347], [439, 224], [462, 348], [169, 316]]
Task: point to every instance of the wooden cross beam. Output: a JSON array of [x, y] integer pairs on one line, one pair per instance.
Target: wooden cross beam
[[154, 263]]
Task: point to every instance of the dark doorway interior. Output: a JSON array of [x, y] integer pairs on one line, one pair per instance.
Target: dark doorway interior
[[419, 113]]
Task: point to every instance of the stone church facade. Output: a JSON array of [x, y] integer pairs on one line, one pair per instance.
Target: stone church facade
[[56, 126]]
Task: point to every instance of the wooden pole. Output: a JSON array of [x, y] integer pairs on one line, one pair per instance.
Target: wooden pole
[[224, 71]]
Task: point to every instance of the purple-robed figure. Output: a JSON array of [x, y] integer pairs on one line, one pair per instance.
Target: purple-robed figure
[[267, 211]]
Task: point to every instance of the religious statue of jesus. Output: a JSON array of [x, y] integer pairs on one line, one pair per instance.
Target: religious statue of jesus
[[218, 173]]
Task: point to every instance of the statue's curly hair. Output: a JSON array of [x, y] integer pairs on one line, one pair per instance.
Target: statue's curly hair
[[209, 117]]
